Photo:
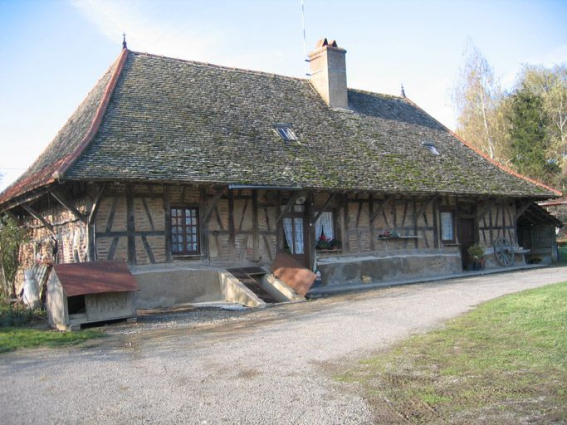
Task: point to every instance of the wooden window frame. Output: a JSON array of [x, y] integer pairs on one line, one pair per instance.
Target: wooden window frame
[[185, 252], [453, 223]]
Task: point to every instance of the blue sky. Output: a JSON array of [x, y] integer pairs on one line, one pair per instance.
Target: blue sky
[[52, 52]]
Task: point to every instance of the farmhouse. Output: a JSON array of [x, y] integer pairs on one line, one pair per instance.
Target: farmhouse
[[181, 166]]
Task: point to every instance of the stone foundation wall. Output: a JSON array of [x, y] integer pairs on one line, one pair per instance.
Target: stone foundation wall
[[386, 267]]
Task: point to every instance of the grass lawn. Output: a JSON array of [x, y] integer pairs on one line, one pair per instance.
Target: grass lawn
[[19, 329], [503, 363], [14, 338]]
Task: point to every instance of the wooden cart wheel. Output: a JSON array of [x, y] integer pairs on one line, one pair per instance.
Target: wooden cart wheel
[[504, 252]]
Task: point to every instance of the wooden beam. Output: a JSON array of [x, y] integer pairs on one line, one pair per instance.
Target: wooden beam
[[131, 224], [344, 224], [231, 227], [523, 208], [485, 209], [204, 223], [91, 241], [167, 217], [381, 208], [148, 249], [63, 201], [370, 223], [255, 227], [424, 207], [436, 224], [289, 206], [38, 216], [212, 204], [324, 208], [96, 204]]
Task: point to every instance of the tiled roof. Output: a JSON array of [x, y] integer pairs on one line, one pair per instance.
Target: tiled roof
[[172, 120]]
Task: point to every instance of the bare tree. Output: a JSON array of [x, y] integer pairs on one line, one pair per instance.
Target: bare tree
[[477, 97]]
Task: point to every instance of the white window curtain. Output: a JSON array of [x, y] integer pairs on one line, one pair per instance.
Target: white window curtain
[[288, 230], [289, 224], [324, 225], [447, 233], [298, 235]]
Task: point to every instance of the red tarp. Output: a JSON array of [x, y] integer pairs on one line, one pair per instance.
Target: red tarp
[[95, 277]]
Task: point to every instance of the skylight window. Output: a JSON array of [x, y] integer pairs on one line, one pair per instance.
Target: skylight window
[[286, 133], [431, 147]]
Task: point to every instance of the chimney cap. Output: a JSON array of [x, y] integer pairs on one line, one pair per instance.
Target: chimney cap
[[324, 42]]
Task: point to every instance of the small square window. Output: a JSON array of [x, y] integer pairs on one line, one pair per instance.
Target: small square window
[[431, 146], [286, 133]]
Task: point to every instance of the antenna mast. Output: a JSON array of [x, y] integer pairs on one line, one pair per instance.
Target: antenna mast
[[304, 37]]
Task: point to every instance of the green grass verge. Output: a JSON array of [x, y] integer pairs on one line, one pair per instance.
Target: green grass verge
[[505, 362], [15, 338]]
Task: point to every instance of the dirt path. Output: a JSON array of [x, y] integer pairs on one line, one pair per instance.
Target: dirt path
[[259, 368]]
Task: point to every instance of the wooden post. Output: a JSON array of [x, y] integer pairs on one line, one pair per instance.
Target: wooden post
[[91, 228], [278, 224], [205, 213], [310, 242], [436, 224], [167, 217], [371, 222], [344, 224], [131, 224], [255, 227], [231, 229]]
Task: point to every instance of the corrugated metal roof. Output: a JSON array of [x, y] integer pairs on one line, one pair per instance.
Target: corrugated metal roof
[[95, 277]]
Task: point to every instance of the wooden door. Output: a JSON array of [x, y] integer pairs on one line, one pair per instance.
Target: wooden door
[[466, 239]]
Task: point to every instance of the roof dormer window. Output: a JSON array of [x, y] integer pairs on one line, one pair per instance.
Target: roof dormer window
[[431, 147], [285, 132]]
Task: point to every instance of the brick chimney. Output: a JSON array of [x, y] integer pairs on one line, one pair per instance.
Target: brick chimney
[[328, 73]]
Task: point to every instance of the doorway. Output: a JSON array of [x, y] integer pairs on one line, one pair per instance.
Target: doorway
[[294, 236], [466, 238]]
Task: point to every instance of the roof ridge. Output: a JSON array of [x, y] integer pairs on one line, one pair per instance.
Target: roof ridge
[[222, 67], [485, 156], [97, 119], [389, 96]]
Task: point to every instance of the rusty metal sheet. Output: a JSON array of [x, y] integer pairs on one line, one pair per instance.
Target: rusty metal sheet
[[292, 273], [95, 277]]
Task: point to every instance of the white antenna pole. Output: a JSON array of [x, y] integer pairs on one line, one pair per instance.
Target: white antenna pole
[[304, 42]]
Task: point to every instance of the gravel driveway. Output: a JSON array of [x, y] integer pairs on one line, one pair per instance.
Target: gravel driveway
[[262, 367]]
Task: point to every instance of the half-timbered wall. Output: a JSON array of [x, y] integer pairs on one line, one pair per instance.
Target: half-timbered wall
[[243, 226], [130, 223], [66, 243], [496, 219], [367, 221]]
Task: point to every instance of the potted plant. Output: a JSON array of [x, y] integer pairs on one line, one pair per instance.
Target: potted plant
[[476, 255]]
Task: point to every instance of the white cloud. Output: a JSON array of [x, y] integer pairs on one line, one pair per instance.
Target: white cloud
[[146, 32]]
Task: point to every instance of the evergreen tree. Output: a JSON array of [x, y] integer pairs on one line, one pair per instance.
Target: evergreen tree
[[530, 141]]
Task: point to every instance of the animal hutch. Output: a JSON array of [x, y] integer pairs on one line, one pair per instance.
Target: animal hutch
[[91, 292]]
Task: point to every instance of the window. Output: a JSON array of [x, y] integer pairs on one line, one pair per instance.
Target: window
[[285, 132], [447, 226], [324, 227], [431, 147], [185, 231], [325, 234]]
